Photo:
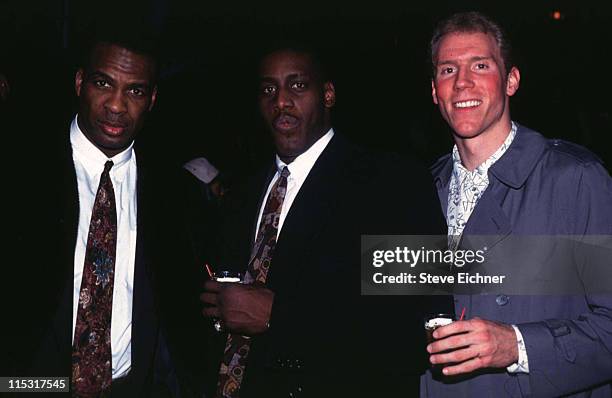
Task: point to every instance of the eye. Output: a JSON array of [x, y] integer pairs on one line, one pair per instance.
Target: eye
[[481, 66], [268, 90], [137, 92], [298, 85], [446, 70], [101, 83]]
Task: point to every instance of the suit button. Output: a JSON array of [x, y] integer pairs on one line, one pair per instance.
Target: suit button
[[502, 299]]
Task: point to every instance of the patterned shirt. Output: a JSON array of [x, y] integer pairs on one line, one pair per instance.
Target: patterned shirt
[[466, 187]]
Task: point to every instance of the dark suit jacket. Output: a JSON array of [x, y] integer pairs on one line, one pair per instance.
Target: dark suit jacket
[[45, 226], [325, 338], [547, 188]]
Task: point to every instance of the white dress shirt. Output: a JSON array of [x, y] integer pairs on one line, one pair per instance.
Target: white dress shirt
[[89, 163], [299, 169]]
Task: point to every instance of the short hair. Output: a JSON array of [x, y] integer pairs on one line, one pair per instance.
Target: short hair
[[316, 54], [139, 38], [471, 22]]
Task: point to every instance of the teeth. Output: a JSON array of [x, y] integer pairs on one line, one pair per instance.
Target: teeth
[[467, 104]]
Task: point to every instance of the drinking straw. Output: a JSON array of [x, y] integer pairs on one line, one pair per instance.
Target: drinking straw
[[210, 273]]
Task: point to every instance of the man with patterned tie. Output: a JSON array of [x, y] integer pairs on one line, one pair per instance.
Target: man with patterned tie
[[97, 290], [503, 180], [297, 326]]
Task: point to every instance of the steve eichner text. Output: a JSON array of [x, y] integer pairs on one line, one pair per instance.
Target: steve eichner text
[[413, 257], [426, 278]]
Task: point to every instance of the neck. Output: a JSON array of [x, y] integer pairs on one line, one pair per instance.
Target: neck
[[290, 158], [476, 150], [287, 159]]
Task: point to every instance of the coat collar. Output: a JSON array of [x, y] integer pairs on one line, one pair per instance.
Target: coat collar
[[512, 168], [517, 163]]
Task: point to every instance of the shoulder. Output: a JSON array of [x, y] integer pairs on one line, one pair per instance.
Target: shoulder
[[574, 164], [571, 153], [573, 170], [556, 155]]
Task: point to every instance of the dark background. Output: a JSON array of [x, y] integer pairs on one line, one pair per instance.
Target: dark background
[[378, 50]]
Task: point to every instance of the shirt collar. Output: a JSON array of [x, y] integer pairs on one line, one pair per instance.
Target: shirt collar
[[93, 159], [483, 168], [301, 165]]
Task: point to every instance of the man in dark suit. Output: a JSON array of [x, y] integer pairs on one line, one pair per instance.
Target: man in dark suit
[[91, 293], [301, 326], [502, 181]]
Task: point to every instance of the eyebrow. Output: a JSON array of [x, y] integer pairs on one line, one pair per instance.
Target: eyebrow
[[300, 75], [99, 74], [267, 79], [471, 59]]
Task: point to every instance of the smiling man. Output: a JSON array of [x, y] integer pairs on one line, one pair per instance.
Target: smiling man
[[299, 326], [503, 179]]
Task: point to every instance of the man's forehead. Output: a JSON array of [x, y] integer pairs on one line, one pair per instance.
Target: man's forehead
[[112, 58], [286, 63], [467, 45]]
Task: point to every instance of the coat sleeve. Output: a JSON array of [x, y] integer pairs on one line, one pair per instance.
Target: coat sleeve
[[570, 355]]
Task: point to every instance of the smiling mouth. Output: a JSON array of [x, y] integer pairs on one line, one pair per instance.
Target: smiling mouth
[[286, 122], [467, 104]]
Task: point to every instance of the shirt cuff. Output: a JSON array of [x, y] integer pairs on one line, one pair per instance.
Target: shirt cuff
[[522, 365]]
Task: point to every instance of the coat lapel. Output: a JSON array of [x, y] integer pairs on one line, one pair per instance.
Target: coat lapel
[[488, 219], [144, 329], [67, 228], [311, 209], [488, 225]]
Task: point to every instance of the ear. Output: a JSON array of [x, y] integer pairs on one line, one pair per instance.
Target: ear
[[329, 94], [513, 81], [78, 81], [433, 92], [153, 98]]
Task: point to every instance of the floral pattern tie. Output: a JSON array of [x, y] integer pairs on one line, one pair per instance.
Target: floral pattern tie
[[237, 347], [91, 349]]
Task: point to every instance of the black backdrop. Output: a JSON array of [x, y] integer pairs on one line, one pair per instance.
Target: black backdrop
[[378, 51]]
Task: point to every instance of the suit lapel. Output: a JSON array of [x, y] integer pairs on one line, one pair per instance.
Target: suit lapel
[[144, 329], [67, 228], [310, 210]]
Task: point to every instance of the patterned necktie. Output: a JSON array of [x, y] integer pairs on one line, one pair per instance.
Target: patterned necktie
[[91, 349], [237, 347]]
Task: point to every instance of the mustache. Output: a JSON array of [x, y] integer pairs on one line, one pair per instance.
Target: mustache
[[285, 115], [115, 121]]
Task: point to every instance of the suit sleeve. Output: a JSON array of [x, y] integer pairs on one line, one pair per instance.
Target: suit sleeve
[[570, 355]]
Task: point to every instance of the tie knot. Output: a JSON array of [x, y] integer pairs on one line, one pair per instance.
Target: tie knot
[[108, 165], [285, 172]]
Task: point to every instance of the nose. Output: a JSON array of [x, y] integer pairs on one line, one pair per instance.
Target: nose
[[284, 99], [116, 103], [464, 79]]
